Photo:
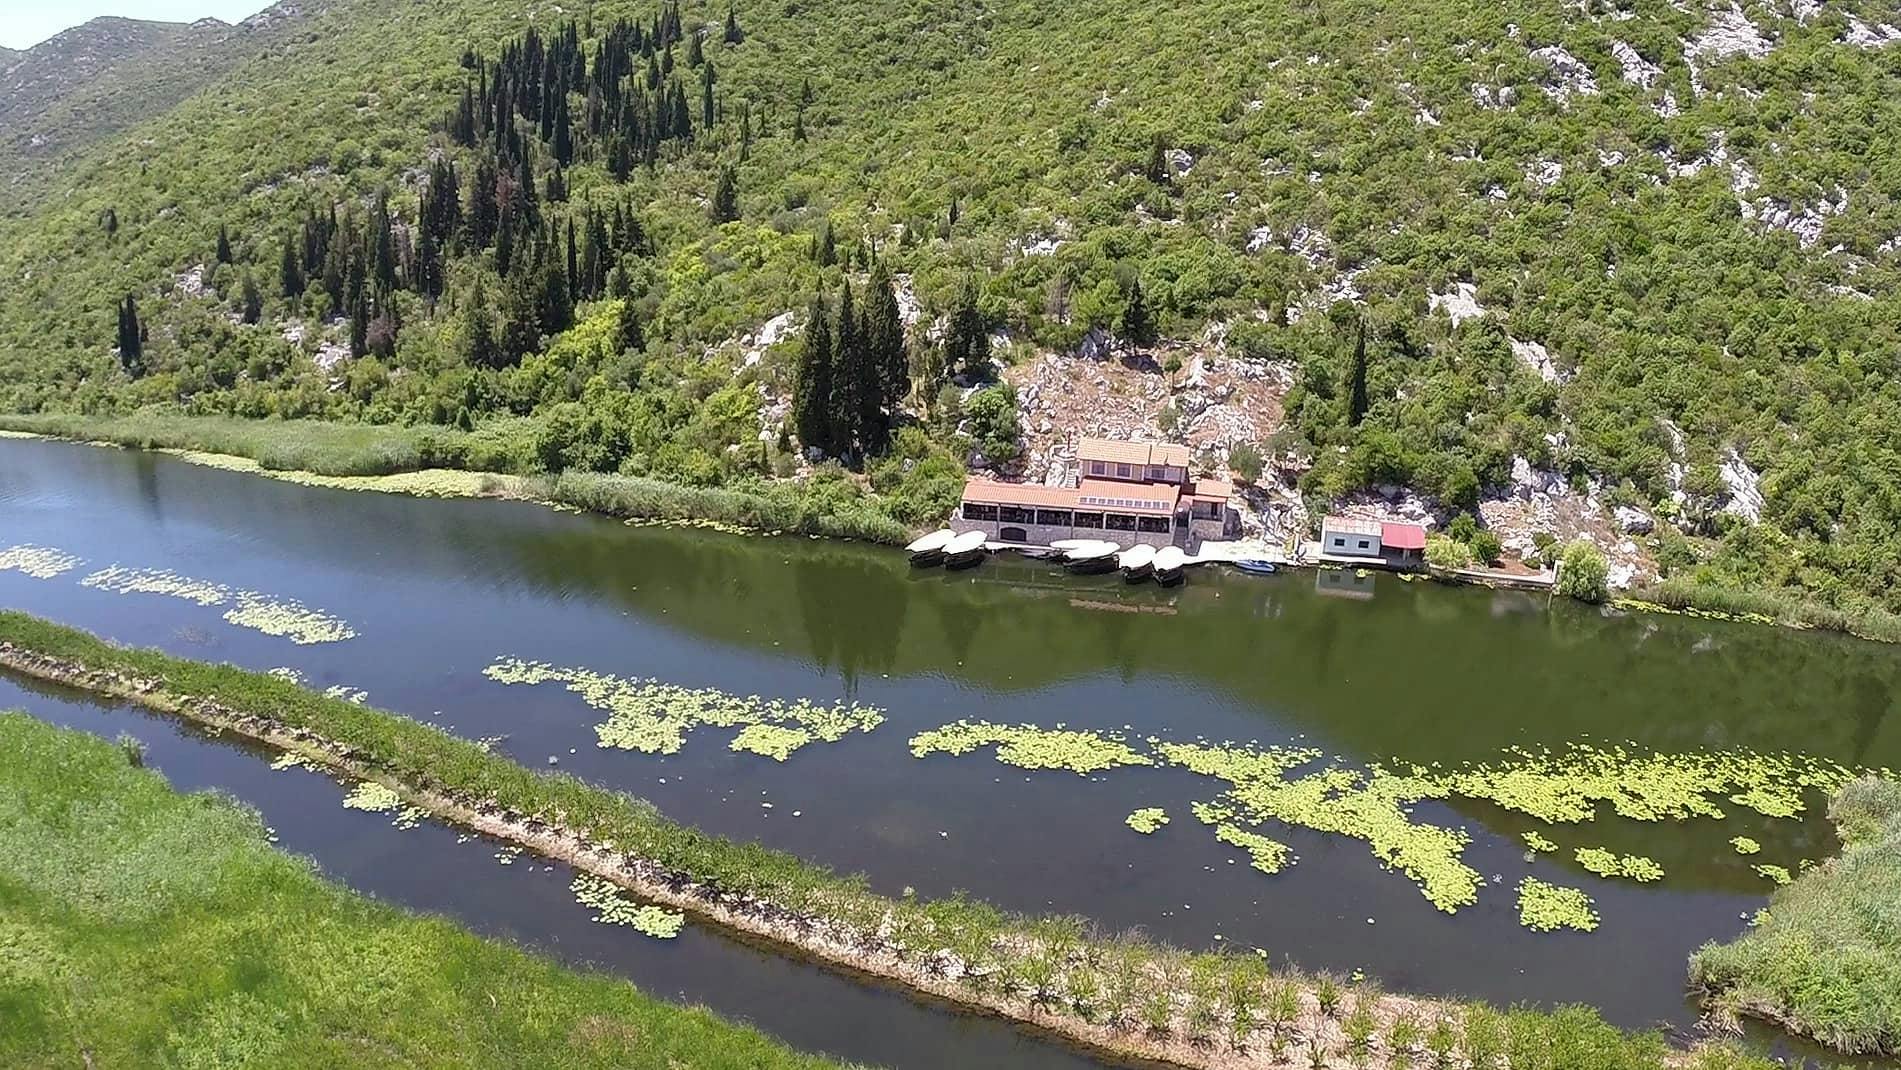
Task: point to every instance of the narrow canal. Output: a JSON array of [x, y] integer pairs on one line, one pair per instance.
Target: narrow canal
[[1362, 670]]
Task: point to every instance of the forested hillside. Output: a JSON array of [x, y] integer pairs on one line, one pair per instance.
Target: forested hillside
[[1644, 251]]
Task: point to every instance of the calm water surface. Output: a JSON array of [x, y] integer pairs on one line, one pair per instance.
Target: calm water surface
[[1364, 669]]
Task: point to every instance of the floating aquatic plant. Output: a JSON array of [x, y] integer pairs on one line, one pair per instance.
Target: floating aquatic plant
[[286, 673], [1029, 747], [1608, 864], [1745, 846], [39, 562], [373, 797], [1147, 820], [288, 619], [612, 907], [1544, 907], [1537, 842], [347, 693], [1777, 874], [292, 760], [1268, 856], [654, 717]]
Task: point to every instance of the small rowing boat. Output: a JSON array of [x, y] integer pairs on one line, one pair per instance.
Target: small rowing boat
[[1169, 566], [1135, 562], [929, 550], [1258, 568], [965, 550], [1094, 557]]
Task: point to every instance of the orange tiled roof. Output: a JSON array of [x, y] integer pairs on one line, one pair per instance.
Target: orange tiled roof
[[1142, 453], [1214, 488], [1034, 495]]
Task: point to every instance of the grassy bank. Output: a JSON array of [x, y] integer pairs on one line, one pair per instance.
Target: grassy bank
[[1118, 993], [1772, 607], [142, 927], [338, 453], [1825, 959]]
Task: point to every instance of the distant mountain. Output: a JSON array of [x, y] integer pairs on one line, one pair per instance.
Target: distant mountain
[[78, 87]]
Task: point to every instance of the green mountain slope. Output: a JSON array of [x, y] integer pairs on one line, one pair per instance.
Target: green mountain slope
[[1645, 249], [90, 82]]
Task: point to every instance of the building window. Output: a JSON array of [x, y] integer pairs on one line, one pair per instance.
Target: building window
[[1014, 535], [1122, 471], [1016, 514], [1157, 473], [1097, 468], [1339, 543], [1053, 518], [1118, 522], [1156, 525], [979, 512], [1088, 520], [1364, 545]]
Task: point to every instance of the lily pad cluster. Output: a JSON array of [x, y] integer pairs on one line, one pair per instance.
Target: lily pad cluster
[[652, 717], [1608, 864], [285, 618], [612, 907], [1029, 747], [1544, 907], [1148, 819], [39, 562]]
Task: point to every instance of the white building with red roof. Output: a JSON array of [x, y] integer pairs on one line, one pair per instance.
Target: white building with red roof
[[1129, 492]]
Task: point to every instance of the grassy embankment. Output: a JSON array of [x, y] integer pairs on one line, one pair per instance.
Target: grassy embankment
[[1122, 994], [1824, 960], [142, 927], [496, 460], [1768, 607]]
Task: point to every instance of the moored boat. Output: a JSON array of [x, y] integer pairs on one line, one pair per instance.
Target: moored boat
[[1136, 561], [1170, 565], [965, 550], [1092, 558], [1258, 568], [929, 550]]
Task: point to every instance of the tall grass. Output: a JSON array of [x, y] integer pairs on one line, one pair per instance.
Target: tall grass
[[1062, 969], [147, 928], [330, 449], [1782, 607], [1825, 958], [774, 507]]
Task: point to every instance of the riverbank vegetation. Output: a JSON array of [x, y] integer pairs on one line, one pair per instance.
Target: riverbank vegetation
[[1122, 993], [1824, 960], [145, 927]]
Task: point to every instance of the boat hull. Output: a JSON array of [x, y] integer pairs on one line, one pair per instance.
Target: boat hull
[[1092, 566]]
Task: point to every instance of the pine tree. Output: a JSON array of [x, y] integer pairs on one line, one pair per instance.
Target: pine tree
[[966, 343], [812, 382], [224, 245], [290, 272], [1356, 376], [131, 338], [253, 309], [521, 315], [628, 332], [726, 197]]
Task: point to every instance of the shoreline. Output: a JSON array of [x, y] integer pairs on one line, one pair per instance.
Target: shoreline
[[595, 493], [1205, 1011]]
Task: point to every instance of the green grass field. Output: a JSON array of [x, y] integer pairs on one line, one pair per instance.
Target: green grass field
[[143, 927]]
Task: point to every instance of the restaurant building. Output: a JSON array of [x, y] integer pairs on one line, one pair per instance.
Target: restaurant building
[[1128, 493]]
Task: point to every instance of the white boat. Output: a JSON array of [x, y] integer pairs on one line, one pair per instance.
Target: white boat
[[1168, 566], [965, 550], [1136, 560], [1093, 557], [929, 550], [1066, 545]]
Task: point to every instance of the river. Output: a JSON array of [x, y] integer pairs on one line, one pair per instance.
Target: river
[[1363, 668]]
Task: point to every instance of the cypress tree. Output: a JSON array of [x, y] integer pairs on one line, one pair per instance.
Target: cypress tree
[[812, 383], [359, 326], [966, 345], [733, 34], [695, 52], [429, 265], [884, 336], [852, 376], [1157, 170], [826, 251], [726, 197], [290, 272], [707, 78], [1135, 315], [557, 306], [798, 124], [224, 245], [131, 338], [479, 347], [628, 332], [1356, 376], [253, 309]]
